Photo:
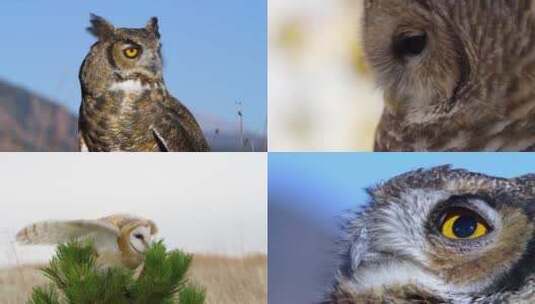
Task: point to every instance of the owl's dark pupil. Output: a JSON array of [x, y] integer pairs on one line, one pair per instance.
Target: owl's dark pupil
[[465, 226], [410, 45]]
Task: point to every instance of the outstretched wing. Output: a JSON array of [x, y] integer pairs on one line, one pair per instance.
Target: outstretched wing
[[178, 130], [104, 235]]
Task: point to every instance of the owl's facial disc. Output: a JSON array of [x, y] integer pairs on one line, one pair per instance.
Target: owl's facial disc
[[140, 239], [410, 242], [134, 58]]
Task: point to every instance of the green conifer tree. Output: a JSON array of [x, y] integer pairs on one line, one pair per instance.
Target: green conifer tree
[[76, 279]]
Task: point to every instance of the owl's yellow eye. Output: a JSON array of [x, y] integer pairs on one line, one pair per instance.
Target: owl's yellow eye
[[463, 224], [131, 52]]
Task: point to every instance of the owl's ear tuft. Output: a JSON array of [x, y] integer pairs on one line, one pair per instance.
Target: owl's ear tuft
[[100, 28], [152, 27]]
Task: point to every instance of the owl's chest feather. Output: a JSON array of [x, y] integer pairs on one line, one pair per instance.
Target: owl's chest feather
[[461, 133], [121, 117], [132, 97]]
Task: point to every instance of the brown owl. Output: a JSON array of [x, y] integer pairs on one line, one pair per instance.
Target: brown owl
[[457, 75], [441, 235], [125, 103]]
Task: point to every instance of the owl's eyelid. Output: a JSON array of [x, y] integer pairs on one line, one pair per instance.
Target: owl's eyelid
[[465, 211], [409, 33], [130, 44]]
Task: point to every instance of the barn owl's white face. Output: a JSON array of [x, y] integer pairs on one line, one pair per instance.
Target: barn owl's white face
[[140, 239]]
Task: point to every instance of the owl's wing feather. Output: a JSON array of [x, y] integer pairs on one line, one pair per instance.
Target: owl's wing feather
[[104, 235], [178, 130]]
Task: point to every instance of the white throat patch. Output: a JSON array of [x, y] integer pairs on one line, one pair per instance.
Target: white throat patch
[[132, 86]]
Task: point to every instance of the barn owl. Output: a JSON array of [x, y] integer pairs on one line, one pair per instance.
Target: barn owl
[[441, 235], [125, 103], [457, 75], [118, 239]]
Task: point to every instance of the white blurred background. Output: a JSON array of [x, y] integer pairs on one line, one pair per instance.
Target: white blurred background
[[321, 95], [202, 203]]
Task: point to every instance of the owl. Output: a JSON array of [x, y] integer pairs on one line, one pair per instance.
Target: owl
[[441, 235], [125, 103], [456, 75], [119, 240]]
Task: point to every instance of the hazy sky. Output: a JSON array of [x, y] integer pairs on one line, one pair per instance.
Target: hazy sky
[[209, 203], [215, 51], [331, 183]]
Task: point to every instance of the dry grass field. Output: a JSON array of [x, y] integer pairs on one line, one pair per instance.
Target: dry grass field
[[232, 280], [227, 280]]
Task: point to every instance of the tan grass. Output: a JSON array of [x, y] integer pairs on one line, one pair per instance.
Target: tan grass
[[232, 280], [227, 280]]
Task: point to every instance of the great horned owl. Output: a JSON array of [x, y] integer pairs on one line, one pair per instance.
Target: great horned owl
[[441, 235], [125, 103], [457, 75], [118, 239]]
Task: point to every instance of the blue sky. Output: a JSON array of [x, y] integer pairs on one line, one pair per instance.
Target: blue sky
[[215, 51], [330, 183]]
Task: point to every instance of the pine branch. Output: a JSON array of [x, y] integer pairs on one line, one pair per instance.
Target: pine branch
[[46, 295], [192, 295], [75, 278]]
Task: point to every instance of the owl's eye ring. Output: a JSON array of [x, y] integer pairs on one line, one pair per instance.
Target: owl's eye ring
[[409, 44], [131, 52], [463, 224]]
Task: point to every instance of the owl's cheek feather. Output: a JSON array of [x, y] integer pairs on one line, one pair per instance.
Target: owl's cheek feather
[[345, 294]]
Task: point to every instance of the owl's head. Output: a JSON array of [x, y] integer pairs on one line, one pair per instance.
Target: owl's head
[[434, 58], [447, 234], [135, 237], [140, 238], [130, 52]]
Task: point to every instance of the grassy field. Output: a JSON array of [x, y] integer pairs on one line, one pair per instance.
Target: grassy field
[[227, 280]]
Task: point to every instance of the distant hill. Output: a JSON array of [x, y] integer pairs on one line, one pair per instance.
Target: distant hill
[[29, 122]]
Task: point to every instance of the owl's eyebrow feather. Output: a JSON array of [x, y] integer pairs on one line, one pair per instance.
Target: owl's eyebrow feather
[[130, 41]]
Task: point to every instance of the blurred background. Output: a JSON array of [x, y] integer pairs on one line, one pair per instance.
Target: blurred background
[[309, 194], [321, 94], [215, 63], [213, 204], [210, 205]]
